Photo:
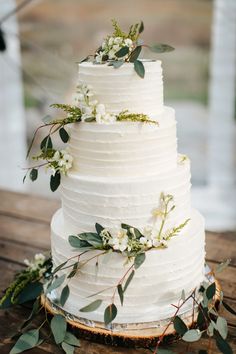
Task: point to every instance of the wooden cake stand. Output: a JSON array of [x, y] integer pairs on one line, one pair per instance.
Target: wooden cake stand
[[129, 337]]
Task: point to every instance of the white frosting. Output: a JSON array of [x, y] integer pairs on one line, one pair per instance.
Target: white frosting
[[122, 88], [111, 201], [125, 149], [156, 285]]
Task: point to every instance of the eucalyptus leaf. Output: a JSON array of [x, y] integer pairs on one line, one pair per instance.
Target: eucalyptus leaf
[[26, 341], [64, 295], [121, 293], [130, 277], [210, 291], [139, 68], [34, 310], [210, 330], [92, 238], [99, 228], [64, 135], [71, 339], [110, 314], [223, 345], [92, 306], [192, 335], [117, 64], [75, 242], [139, 259], [180, 326], [30, 292], [57, 282], [68, 349], [46, 143], [161, 48], [58, 327], [135, 53], [222, 327], [122, 52], [55, 181], [74, 270], [33, 174], [228, 308], [59, 267]]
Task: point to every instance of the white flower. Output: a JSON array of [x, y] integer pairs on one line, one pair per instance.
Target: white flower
[[120, 241], [40, 258], [100, 109], [116, 47], [128, 42], [118, 40], [104, 43], [110, 41], [111, 53], [56, 156]]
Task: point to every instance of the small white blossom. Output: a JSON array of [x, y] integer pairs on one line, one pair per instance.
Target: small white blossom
[[118, 40], [110, 41], [37, 264], [128, 42], [119, 242]]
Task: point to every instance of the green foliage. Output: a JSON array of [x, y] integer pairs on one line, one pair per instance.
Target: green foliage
[[26, 341], [139, 259], [210, 291], [122, 52], [56, 283], [121, 293], [68, 349], [139, 68], [135, 54], [180, 326], [110, 314], [58, 326], [128, 281], [192, 335], [93, 306], [64, 135], [64, 295], [223, 346], [161, 48], [33, 174], [134, 117], [55, 181], [221, 326]]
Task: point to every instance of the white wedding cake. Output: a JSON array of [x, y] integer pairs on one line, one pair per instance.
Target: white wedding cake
[[122, 171]]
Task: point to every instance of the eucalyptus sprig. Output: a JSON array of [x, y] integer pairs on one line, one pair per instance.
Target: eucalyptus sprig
[[121, 47]]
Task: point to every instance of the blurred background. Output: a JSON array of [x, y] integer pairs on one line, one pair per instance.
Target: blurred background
[[45, 40]]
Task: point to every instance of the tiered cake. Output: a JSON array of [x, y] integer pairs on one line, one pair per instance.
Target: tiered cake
[[120, 169]]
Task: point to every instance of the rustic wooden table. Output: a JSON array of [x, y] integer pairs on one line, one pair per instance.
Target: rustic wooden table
[[24, 231]]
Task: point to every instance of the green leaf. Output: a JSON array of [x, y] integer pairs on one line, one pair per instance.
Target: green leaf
[[121, 293], [110, 314], [136, 231], [26, 341], [57, 282], [58, 327], [30, 292], [228, 308], [210, 291], [93, 306], [92, 238], [139, 68], [71, 339], [161, 48], [200, 317], [192, 335], [130, 277], [141, 27], [99, 228], [135, 54], [59, 267], [180, 326], [64, 135], [122, 52], [33, 174], [74, 271], [55, 181], [221, 326], [139, 259], [117, 64], [68, 349], [64, 295], [220, 267], [75, 242], [46, 143], [223, 346]]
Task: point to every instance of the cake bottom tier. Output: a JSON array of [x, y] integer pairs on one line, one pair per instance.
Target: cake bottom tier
[[155, 287]]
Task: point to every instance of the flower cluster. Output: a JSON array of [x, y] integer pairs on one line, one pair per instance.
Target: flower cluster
[[37, 264], [90, 108], [112, 45], [61, 161]]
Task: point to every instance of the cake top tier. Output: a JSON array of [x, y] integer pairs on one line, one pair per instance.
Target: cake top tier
[[122, 89]]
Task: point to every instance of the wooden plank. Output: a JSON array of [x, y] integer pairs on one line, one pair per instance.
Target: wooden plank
[[29, 232], [26, 206], [221, 246]]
